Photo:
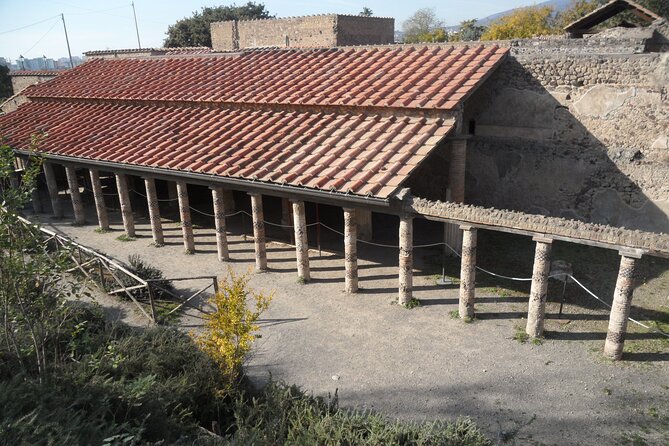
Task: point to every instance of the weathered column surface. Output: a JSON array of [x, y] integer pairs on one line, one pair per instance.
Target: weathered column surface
[[363, 220], [52, 185], [99, 198], [406, 260], [620, 310], [75, 196], [126, 207], [537, 304], [184, 214], [259, 231], [217, 194], [301, 243], [468, 273], [154, 211], [350, 250]]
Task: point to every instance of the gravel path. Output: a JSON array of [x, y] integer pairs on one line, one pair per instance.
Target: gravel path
[[420, 363]]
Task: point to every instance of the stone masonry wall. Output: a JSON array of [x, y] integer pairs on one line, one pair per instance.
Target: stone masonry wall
[[574, 135], [21, 82], [308, 31]]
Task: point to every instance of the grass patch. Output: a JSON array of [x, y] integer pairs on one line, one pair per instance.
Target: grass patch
[[413, 303], [102, 230], [537, 341], [520, 335], [125, 238], [302, 281], [454, 314]]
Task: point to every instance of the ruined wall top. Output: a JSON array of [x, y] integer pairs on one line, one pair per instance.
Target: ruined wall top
[[326, 30], [560, 228]]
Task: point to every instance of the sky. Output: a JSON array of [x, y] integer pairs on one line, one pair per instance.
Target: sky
[[109, 24]]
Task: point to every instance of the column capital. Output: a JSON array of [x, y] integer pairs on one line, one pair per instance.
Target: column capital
[[254, 194], [542, 239], [632, 253], [295, 200], [468, 228]]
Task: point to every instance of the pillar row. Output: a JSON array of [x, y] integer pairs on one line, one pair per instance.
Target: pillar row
[[184, 214], [620, 310], [351, 251], [537, 305], [468, 273], [259, 231], [98, 196], [154, 211], [126, 207], [218, 196], [52, 185], [301, 243], [406, 260]]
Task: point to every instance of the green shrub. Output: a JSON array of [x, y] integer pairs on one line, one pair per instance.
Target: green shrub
[[284, 415]]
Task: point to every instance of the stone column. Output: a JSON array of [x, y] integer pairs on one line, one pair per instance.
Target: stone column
[[259, 231], [350, 250], [217, 194], [154, 211], [36, 201], [620, 310], [75, 196], [456, 190], [126, 207], [537, 304], [52, 185], [301, 243], [364, 224], [184, 214], [468, 273], [98, 196], [406, 259]]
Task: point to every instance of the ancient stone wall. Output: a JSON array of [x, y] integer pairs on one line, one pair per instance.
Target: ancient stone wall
[[21, 82], [309, 31], [582, 136]]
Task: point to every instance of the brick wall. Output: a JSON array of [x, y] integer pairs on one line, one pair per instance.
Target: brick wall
[[309, 31]]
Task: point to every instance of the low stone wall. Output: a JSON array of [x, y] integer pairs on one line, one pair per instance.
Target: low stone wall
[[651, 243]]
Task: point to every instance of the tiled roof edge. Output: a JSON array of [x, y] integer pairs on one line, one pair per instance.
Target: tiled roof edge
[[306, 16], [36, 72]]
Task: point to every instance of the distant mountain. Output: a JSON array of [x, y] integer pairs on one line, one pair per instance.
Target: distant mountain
[[558, 5]]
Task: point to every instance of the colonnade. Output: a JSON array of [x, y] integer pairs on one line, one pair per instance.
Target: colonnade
[[294, 209]]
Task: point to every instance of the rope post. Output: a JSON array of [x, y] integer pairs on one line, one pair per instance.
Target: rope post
[[537, 305], [350, 251], [259, 231], [52, 185], [215, 279], [126, 207], [406, 260], [184, 213], [301, 243], [152, 299], [154, 211], [98, 197], [620, 310], [218, 196], [468, 273]]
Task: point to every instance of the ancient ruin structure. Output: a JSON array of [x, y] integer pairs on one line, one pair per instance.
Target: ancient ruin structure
[[573, 132]]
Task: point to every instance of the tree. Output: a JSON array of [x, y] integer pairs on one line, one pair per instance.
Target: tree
[[523, 23], [366, 12], [423, 26], [5, 82], [195, 30], [469, 31]]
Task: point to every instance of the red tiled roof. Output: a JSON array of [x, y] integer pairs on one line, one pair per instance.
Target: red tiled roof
[[36, 72], [427, 77], [349, 153], [353, 121]]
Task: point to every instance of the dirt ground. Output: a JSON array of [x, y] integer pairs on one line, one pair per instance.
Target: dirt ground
[[423, 363]]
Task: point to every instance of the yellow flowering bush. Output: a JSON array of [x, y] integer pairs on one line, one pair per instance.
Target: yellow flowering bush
[[231, 329]]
